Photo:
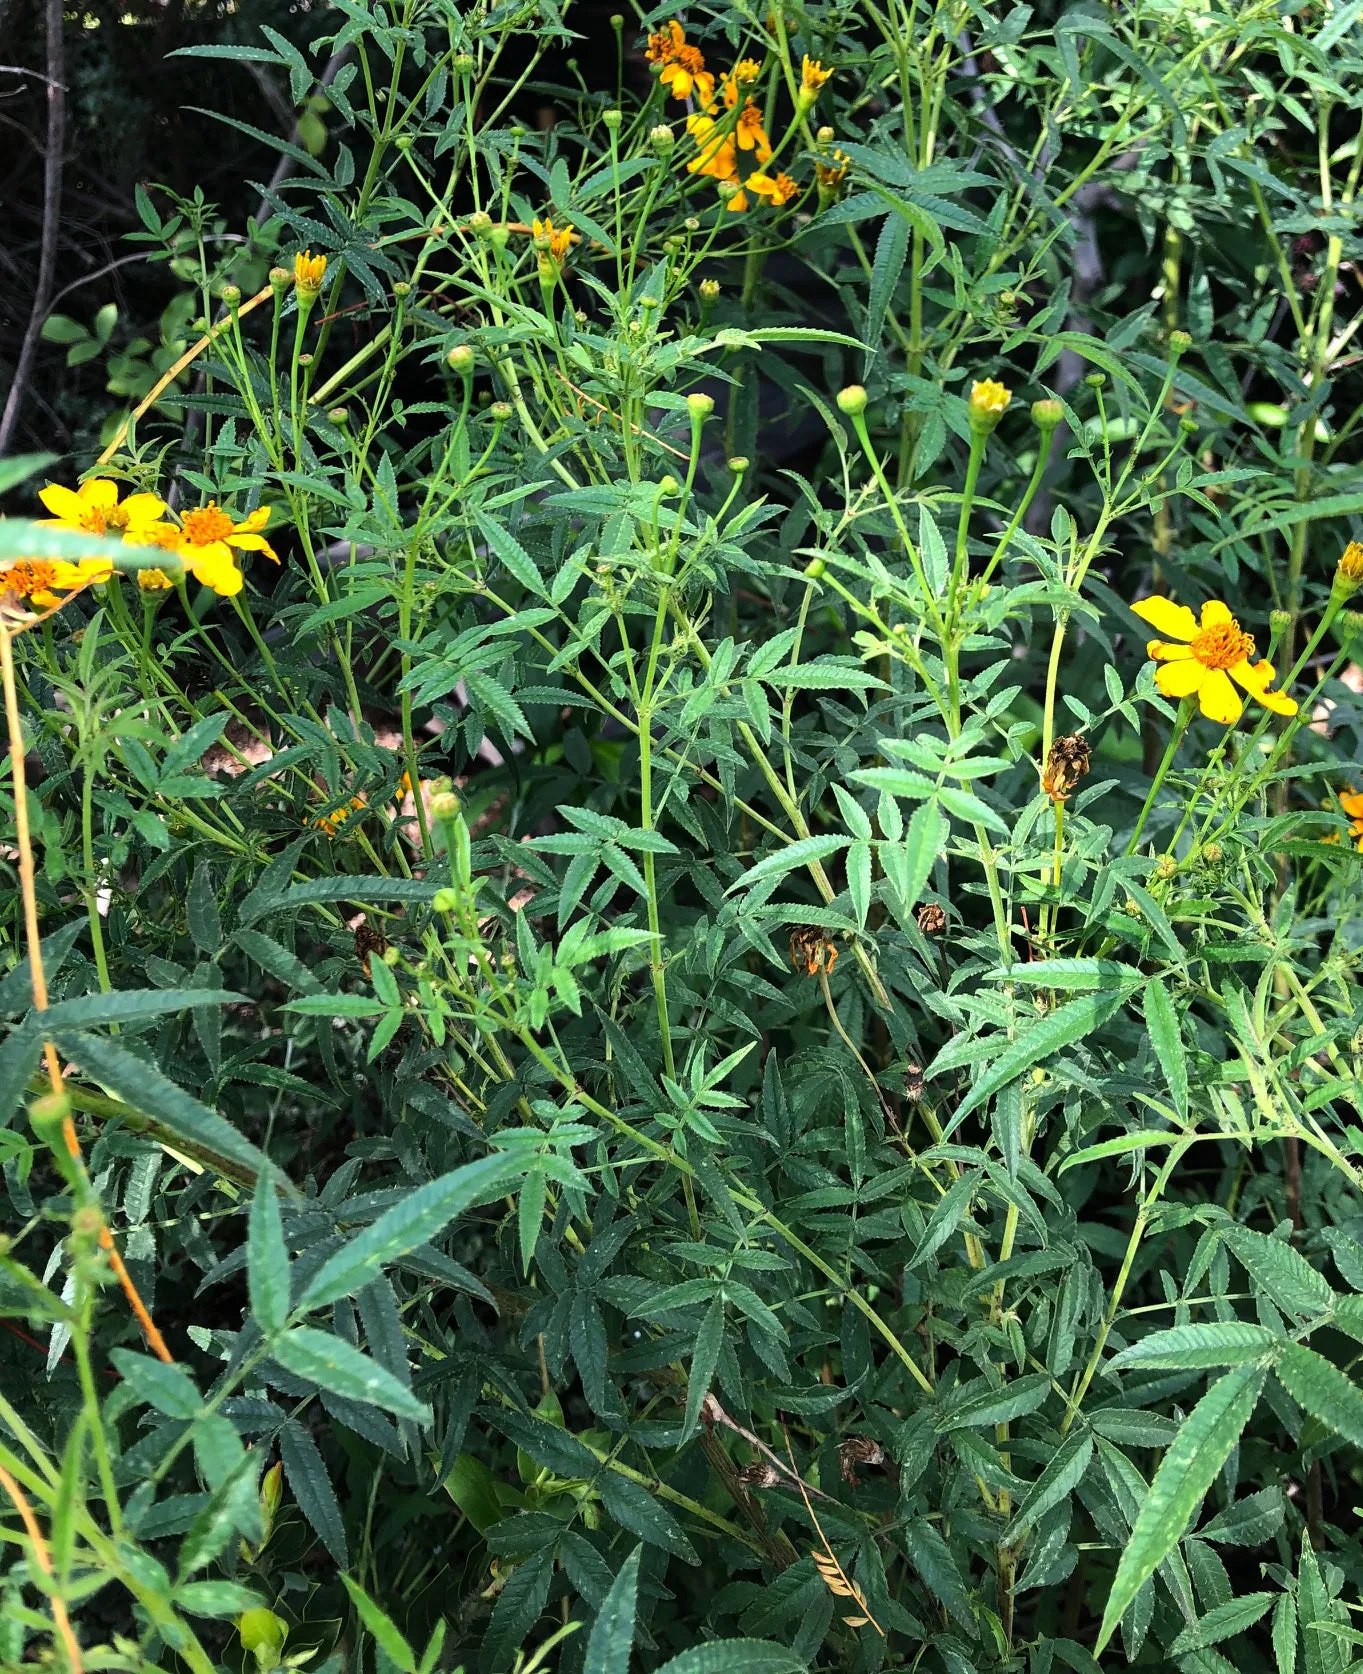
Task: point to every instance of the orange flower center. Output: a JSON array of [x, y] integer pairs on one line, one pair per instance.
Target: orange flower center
[[1222, 646], [30, 575], [116, 517], [94, 521], [691, 59], [207, 524]]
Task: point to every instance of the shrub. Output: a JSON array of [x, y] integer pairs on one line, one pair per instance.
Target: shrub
[[651, 1023]]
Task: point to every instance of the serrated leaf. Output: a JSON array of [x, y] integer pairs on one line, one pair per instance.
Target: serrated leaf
[[334, 1364], [612, 1635], [1323, 1390], [1193, 1347], [385, 1631], [635, 1509], [1188, 1469], [802, 853], [735, 1656], [1166, 1037], [267, 1258], [311, 1488]]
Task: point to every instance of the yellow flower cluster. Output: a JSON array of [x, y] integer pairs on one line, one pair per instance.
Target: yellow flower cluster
[[205, 540], [1212, 653], [721, 139]]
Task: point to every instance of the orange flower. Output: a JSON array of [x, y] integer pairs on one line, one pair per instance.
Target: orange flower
[[38, 579], [665, 45], [716, 153], [1351, 801], [685, 72], [743, 74], [553, 242], [1216, 651], [812, 77], [777, 191], [831, 173]]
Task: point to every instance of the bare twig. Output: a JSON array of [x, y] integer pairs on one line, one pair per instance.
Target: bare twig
[[52, 199]]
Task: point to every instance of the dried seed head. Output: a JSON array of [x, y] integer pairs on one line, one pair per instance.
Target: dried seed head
[[914, 1084], [1066, 765], [932, 919]]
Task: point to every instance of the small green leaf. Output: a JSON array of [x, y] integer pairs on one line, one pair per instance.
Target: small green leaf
[[612, 1635], [333, 1364], [1323, 1390], [382, 1627], [1166, 1038], [267, 1258]]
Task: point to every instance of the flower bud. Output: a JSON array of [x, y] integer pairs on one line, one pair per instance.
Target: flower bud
[[1279, 621], [500, 237], [1179, 342], [480, 223], [738, 464], [647, 304], [464, 64], [280, 280], [617, 21], [825, 135], [153, 580], [1188, 426], [460, 359], [1349, 570], [403, 142], [231, 296], [1095, 380], [728, 189], [815, 568], [308, 274], [668, 487], [444, 805], [612, 119], [691, 223], [1047, 414], [709, 289], [700, 405], [501, 411], [444, 900], [401, 288], [852, 401], [339, 416], [1349, 626], [987, 405], [662, 139]]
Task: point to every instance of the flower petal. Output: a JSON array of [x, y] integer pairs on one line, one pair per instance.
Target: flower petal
[[1215, 614], [1278, 702], [1163, 652], [1352, 804], [256, 520], [63, 502], [1174, 620], [143, 508], [101, 492], [1219, 699], [1254, 677], [1180, 679], [253, 543]]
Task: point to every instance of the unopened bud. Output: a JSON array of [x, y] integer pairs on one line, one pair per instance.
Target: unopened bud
[[661, 138], [231, 296], [709, 289], [444, 805], [500, 237], [403, 142], [464, 63], [738, 464], [852, 401], [617, 21], [815, 568], [1047, 414], [500, 411], [1179, 342], [339, 415], [612, 119], [1279, 621], [700, 405], [668, 487], [444, 900], [1349, 626], [401, 288], [825, 135], [460, 359], [1095, 380], [280, 280], [480, 223], [648, 304]]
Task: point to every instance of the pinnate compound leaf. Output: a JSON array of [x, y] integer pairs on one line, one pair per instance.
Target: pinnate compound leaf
[[1287, 1277], [418, 1218], [335, 1365], [311, 1488], [736, 1656], [1188, 1469], [1190, 1348], [1323, 1390], [612, 1635], [634, 1508]]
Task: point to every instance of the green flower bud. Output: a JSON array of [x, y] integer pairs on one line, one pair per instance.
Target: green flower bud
[[280, 280], [1047, 414], [612, 119], [501, 411], [738, 464], [700, 405], [1095, 380], [339, 416], [1179, 342], [709, 289], [662, 139], [480, 223], [401, 288], [668, 487], [461, 359], [852, 401], [464, 64], [231, 296], [444, 900]]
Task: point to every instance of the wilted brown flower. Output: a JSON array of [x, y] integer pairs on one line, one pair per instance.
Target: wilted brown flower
[[1066, 765], [759, 1475], [812, 952], [914, 1084], [858, 1450], [932, 919], [367, 941]]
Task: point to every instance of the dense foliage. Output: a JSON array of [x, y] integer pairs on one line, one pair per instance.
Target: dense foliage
[[644, 1020]]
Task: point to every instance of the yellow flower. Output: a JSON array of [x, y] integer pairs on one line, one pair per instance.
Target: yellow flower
[[743, 74], [988, 403], [95, 509], [206, 538], [36, 579], [776, 190], [555, 242], [685, 72], [1349, 570], [751, 135], [812, 77], [308, 272], [831, 172], [153, 580], [716, 153], [1213, 653], [331, 823]]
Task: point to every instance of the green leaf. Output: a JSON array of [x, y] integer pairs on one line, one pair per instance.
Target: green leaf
[[518, 1609], [1188, 1469], [1249, 1522], [382, 1627], [931, 1557], [362, 891], [16, 987], [1166, 1037], [267, 1258], [612, 1635], [1288, 1278], [215, 1598], [333, 1364], [1057, 1482], [276, 959], [892, 249], [735, 1656], [511, 553], [704, 1358], [142, 1086], [1233, 1617], [996, 1406], [1047, 1036], [1323, 1652], [164, 1387], [415, 1220], [129, 1005], [201, 910], [311, 1488], [635, 1509], [1323, 1390], [803, 853], [1187, 1348], [945, 1217]]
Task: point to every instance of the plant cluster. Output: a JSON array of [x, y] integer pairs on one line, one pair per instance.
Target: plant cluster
[[645, 1023]]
